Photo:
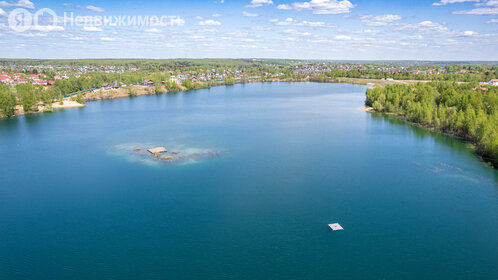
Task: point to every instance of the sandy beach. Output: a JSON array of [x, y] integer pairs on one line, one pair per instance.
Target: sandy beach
[[67, 104]]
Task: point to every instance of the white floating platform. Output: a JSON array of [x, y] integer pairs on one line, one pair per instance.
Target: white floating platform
[[335, 227]]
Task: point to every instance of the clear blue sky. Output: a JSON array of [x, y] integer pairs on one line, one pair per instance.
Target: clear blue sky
[[303, 29]]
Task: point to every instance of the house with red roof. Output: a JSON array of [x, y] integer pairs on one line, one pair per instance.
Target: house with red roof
[[5, 79], [39, 82]]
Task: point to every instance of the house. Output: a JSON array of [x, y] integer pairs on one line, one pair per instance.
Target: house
[[174, 79], [5, 79], [39, 82], [105, 86], [115, 85], [148, 83], [494, 82]]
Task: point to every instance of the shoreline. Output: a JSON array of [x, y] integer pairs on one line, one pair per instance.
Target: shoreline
[[42, 108], [150, 90]]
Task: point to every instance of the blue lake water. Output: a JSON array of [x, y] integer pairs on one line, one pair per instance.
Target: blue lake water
[[76, 202]]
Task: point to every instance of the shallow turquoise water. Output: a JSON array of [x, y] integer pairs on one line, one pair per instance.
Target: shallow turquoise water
[[77, 203]]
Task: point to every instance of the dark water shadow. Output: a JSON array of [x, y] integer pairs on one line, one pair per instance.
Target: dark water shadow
[[458, 145], [7, 123]]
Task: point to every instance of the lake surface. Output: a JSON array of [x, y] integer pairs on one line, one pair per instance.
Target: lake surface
[[77, 202]]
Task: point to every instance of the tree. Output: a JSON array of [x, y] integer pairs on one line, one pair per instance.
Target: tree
[[158, 88], [7, 101], [79, 98], [29, 100], [132, 91]]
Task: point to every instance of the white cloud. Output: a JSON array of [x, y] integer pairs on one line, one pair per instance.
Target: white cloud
[[478, 11], [170, 22], [216, 15], [47, 28], [259, 3], [490, 7], [296, 33], [284, 7], [237, 33], [91, 29], [21, 3], [209, 22], [415, 37], [383, 20], [495, 20], [153, 30], [2, 13], [95, 9], [31, 35], [426, 27], [444, 2], [325, 7], [293, 22], [107, 39], [366, 31], [469, 33], [260, 28], [488, 3], [246, 14], [207, 30], [342, 37]]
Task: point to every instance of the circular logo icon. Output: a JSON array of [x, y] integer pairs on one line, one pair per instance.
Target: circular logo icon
[[20, 20]]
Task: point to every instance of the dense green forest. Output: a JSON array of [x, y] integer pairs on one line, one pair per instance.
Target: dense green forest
[[465, 110], [144, 64]]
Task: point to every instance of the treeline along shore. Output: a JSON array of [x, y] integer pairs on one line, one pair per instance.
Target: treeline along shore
[[28, 99], [456, 109]]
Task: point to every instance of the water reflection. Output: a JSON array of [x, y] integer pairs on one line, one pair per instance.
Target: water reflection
[[457, 145]]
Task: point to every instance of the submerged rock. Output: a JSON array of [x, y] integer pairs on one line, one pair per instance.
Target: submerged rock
[[167, 158]]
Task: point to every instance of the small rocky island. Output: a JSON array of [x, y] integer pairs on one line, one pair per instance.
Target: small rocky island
[[162, 154]]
